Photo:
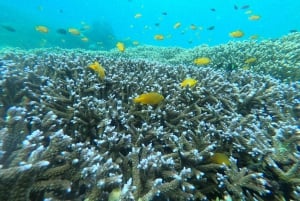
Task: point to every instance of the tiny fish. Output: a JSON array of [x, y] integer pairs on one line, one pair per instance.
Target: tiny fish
[[98, 68], [213, 9], [177, 25], [250, 60], [42, 29], [164, 13], [74, 31], [202, 61], [138, 15], [245, 7], [188, 82], [152, 98], [61, 31], [236, 34], [220, 158], [211, 28], [8, 28], [120, 46], [254, 17], [235, 7], [84, 39], [159, 37], [135, 42]]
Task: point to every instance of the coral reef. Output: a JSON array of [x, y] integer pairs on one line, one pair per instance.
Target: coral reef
[[66, 134], [279, 58]]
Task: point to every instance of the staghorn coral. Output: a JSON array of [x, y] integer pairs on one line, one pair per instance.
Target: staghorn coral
[[279, 58], [80, 138]]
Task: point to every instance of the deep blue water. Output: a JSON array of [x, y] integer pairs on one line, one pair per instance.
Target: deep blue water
[[104, 23]]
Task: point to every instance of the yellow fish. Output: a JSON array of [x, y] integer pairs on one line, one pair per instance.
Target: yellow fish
[[84, 39], [98, 68], [188, 82], [250, 60], [138, 15], [202, 61], [254, 17], [248, 12], [254, 37], [152, 98], [177, 25], [220, 158], [193, 27], [135, 42], [120, 46], [74, 31], [236, 34], [159, 37], [42, 29]]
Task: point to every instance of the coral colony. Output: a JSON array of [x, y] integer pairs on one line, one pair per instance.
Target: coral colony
[[68, 134]]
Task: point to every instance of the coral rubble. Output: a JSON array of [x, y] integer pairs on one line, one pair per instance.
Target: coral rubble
[[66, 134]]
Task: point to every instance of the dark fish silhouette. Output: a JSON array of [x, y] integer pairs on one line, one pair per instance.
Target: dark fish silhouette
[[157, 24], [293, 30], [245, 7], [213, 9], [211, 28], [8, 28], [61, 31], [164, 13], [235, 7]]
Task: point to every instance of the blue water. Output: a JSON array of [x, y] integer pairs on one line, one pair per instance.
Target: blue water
[[106, 22]]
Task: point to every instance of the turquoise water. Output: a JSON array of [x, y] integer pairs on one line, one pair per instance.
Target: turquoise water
[[103, 23]]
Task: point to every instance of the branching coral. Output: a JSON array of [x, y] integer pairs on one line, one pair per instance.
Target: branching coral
[[66, 134]]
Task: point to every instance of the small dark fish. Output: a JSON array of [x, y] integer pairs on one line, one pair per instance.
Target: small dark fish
[[164, 13], [61, 31], [157, 24], [213, 9], [211, 28], [60, 10], [293, 31], [245, 7], [8, 28], [235, 7]]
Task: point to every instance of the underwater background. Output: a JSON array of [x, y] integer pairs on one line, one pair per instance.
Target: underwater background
[[102, 23], [159, 100]]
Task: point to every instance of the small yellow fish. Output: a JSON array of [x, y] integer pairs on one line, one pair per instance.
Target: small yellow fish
[[202, 61], [246, 67], [138, 15], [84, 39], [74, 31], [236, 34], [42, 29], [120, 46], [248, 12], [188, 82], [254, 17], [254, 37], [152, 98], [177, 25], [98, 68], [86, 27], [159, 37], [193, 27], [135, 42], [220, 158], [115, 195], [250, 60]]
